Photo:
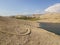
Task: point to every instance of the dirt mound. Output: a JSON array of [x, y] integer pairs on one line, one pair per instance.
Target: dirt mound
[[22, 32]]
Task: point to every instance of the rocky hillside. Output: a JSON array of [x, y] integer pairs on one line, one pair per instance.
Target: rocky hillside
[[22, 32]]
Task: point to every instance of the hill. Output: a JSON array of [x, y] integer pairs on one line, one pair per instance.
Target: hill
[[24, 32], [51, 15]]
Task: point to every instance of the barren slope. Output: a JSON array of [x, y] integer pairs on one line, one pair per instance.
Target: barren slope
[[50, 17], [21, 32]]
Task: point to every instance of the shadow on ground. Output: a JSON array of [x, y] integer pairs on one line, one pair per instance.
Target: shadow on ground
[[52, 27]]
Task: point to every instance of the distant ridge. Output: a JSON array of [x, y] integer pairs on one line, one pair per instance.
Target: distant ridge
[[50, 15]]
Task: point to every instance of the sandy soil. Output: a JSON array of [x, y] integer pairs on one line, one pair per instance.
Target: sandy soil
[[22, 32]]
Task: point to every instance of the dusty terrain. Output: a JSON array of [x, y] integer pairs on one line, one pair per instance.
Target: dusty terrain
[[24, 32]]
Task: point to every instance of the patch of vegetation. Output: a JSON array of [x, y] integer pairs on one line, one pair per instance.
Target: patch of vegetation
[[27, 18]]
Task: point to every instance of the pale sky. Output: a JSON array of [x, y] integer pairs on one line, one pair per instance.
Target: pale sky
[[13, 7]]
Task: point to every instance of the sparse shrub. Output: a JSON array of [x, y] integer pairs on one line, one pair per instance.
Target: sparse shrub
[[27, 18]]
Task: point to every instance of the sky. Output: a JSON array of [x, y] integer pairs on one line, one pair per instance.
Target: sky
[[16, 7]]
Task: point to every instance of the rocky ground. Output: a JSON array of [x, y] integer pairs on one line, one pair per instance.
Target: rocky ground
[[24, 32]]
